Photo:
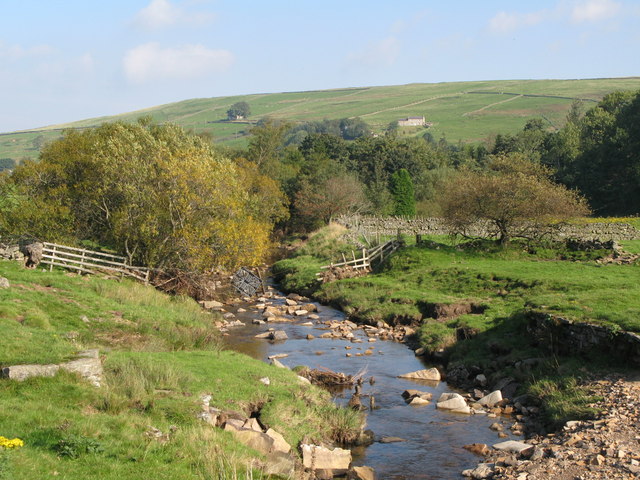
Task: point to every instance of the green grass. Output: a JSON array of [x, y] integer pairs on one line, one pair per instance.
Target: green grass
[[504, 281], [465, 111], [42, 315], [45, 412], [160, 355]]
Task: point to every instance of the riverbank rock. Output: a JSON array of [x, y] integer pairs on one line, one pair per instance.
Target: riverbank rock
[[513, 446], [4, 282], [482, 471], [88, 366], [211, 304], [315, 457], [492, 399], [431, 374]]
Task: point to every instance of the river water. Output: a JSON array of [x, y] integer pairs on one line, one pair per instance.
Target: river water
[[433, 438]]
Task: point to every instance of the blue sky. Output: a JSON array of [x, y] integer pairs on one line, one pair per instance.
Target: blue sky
[[67, 60]]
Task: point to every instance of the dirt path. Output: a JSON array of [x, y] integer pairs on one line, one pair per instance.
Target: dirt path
[[510, 99]]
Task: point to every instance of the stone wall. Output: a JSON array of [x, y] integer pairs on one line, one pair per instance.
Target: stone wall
[[562, 336], [371, 226]]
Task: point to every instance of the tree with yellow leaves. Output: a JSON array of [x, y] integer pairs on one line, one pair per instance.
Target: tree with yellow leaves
[[160, 196]]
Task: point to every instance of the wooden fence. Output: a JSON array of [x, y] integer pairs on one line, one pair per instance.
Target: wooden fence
[[369, 256], [90, 261]]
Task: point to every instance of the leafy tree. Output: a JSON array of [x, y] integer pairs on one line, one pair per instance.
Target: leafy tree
[[608, 165], [352, 128], [267, 143], [516, 197], [317, 204], [7, 164], [162, 197], [403, 193], [238, 111]]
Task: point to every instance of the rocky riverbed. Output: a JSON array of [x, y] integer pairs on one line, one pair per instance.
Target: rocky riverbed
[[420, 425], [605, 448]]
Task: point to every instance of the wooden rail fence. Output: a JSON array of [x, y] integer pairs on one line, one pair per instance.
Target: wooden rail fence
[[369, 256], [90, 261]]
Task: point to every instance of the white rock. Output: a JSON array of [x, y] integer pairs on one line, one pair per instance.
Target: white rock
[[513, 446], [428, 374], [452, 401], [265, 380], [418, 401]]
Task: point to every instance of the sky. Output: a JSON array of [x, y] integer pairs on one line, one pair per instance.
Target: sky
[[66, 60]]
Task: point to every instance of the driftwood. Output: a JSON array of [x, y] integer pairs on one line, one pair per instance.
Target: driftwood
[[326, 378]]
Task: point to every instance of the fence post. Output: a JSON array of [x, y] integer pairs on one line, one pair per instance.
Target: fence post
[[53, 254], [81, 263]]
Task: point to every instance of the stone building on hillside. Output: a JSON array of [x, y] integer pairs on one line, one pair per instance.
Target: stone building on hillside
[[412, 122]]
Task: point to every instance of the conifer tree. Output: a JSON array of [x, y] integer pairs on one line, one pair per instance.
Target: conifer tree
[[403, 193]]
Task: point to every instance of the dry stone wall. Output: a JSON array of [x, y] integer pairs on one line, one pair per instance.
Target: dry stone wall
[[373, 225], [564, 337]]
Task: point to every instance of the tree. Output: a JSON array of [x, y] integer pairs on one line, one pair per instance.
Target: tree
[[163, 197], [238, 111], [403, 193], [515, 196], [7, 164], [317, 204], [608, 166]]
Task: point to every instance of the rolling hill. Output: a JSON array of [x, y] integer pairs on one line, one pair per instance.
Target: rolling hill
[[460, 111]]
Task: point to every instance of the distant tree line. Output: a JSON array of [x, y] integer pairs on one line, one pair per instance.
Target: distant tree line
[[597, 153]]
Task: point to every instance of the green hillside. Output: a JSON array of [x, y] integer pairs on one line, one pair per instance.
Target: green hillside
[[466, 111]]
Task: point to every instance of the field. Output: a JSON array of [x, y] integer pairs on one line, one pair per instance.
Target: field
[[459, 111]]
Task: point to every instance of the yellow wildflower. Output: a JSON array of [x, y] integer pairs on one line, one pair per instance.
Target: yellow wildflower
[[8, 444]]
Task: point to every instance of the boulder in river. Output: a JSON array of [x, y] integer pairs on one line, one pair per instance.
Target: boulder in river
[[454, 402], [431, 374], [278, 335], [362, 473]]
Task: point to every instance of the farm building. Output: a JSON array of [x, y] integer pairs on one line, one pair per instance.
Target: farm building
[[412, 122]]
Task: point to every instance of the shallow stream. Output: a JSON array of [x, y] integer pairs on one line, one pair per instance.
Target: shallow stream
[[433, 438]]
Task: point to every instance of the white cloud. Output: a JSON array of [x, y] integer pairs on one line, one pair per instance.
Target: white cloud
[[18, 51], [162, 13], [151, 62], [505, 22], [594, 10], [378, 54]]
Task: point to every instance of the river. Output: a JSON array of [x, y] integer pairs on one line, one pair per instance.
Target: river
[[433, 438]]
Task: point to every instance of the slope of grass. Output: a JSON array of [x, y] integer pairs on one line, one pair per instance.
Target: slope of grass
[[465, 111], [505, 282], [160, 355]]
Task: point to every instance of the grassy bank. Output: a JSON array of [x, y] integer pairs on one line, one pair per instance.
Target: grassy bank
[[160, 355], [472, 302]]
